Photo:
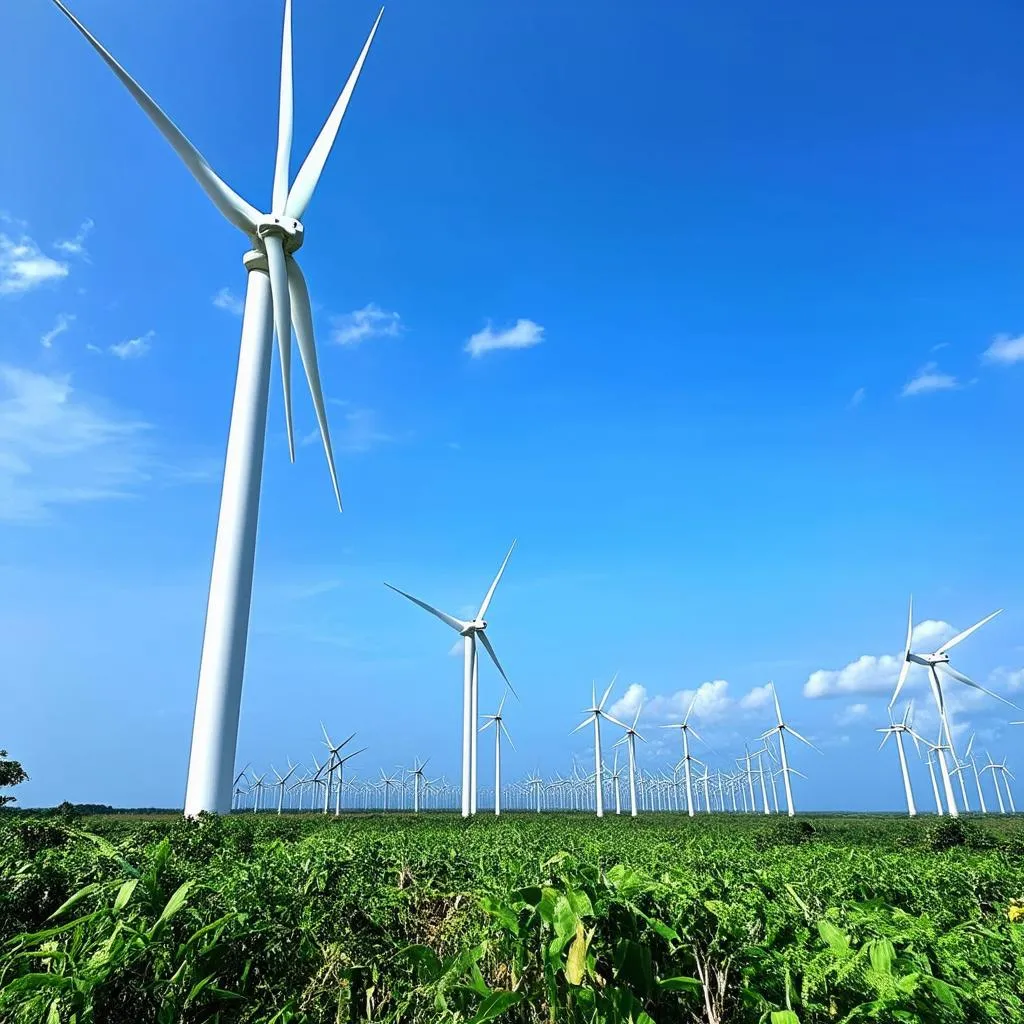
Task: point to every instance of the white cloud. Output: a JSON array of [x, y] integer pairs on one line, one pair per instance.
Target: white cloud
[[929, 378], [856, 398], [59, 447], [76, 246], [525, 334], [1005, 350], [362, 324], [133, 348], [24, 266], [713, 703], [851, 714], [227, 300], [64, 321]]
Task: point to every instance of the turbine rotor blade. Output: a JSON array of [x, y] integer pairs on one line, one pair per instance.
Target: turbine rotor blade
[[490, 650], [485, 604], [284, 117], [949, 644], [608, 691], [802, 739], [312, 167], [278, 271], [689, 710], [302, 318], [586, 721], [446, 619], [507, 736], [775, 697], [230, 204], [961, 678]]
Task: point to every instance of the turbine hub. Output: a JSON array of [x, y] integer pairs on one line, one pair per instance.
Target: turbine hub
[[287, 228]]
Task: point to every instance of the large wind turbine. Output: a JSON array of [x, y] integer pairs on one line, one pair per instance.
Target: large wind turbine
[[276, 298], [782, 729], [934, 662], [498, 721], [685, 728], [470, 631], [594, 714]]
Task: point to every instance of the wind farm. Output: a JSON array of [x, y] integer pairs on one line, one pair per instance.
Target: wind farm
[[250, 779]]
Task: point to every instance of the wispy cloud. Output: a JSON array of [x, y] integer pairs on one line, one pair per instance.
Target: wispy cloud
[[1005, 350], [362, 324], [856, 398], [60, 447], [227, 300], [851, 713], [525, 334], [358, 431], [712, 702], [64, 321], [133, 348], [929, 378], [24, 266], [76, 246]]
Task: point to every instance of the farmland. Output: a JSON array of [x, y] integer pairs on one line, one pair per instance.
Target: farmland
[[528, 918]]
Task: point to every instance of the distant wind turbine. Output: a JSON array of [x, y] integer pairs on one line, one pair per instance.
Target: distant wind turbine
[[498, 721], [594, 714], [471, 631], [898, 730], [630, 740], [782, 729], [685, 729]]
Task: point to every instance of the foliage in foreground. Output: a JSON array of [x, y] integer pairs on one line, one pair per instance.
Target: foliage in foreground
[[11, 774], [549, 918]]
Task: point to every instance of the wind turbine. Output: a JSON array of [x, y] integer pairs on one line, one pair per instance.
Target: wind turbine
[[782, 729], [897, 730], [685, 728], [630, 740], [934, 662], [276, 297], [339, 763], [595, 713], [499, 727], [616, 776], [969, 759], [470, 631], [281, 782], [332, 763], [417, 774], [387, 781], [257, 788]]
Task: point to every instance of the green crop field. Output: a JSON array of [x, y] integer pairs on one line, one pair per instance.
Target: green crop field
[[529, 918]]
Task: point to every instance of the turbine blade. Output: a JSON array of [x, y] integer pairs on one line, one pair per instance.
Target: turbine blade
[[230, 204], [490, 650], [696, 735], [507, 736], [609, 690], [586, 721], [949, 644], [282, 325], [312, 167], [494, 585], [284, 116], [302, 318], [446, 619], [636, 717], [905, 666], [639, 737], [775, 697], [885, 738], [961, 678], [689, 710], [802, 739], [970, 747], [330, 742], [614, 721]]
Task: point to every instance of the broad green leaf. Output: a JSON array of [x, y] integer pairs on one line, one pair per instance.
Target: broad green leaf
[[565, 918], [680, 984], [425, 959], [34, 982], [882, 954], [87, 890], [784, 1017], [174, 904], [837, 940], [576, 961], [505, 915], [125, 894], [494, 1005]]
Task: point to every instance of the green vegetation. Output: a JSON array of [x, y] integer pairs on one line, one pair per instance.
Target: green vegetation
[[529, 918], [11, 774]]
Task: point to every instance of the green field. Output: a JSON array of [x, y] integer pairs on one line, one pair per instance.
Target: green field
[[528, 918]]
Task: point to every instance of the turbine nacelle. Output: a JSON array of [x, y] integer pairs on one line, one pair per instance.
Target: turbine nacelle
[[928, 660], [474, 626], [288, 229]]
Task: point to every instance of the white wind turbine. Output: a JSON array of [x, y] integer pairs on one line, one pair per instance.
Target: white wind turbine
[[471, 631], [417, 774], [276, 297], [498, 721], [934, 662], [339, 764], [685, 729], [969, 759], [595, 713], [898, 730], [782, 729], [282, 781], [630, 740]]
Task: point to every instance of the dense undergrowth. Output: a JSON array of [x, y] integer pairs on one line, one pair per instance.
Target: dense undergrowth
[[528, 918]]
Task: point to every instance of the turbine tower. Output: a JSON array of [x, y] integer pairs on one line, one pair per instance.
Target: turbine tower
[[897, 729], [630, 740], [471, 631], [934, 662], [782, 729], [595, 713], [498, 722], [685, 729], [276, 298]]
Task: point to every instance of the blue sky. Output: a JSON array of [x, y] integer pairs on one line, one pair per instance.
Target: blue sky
[[763, 268]]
